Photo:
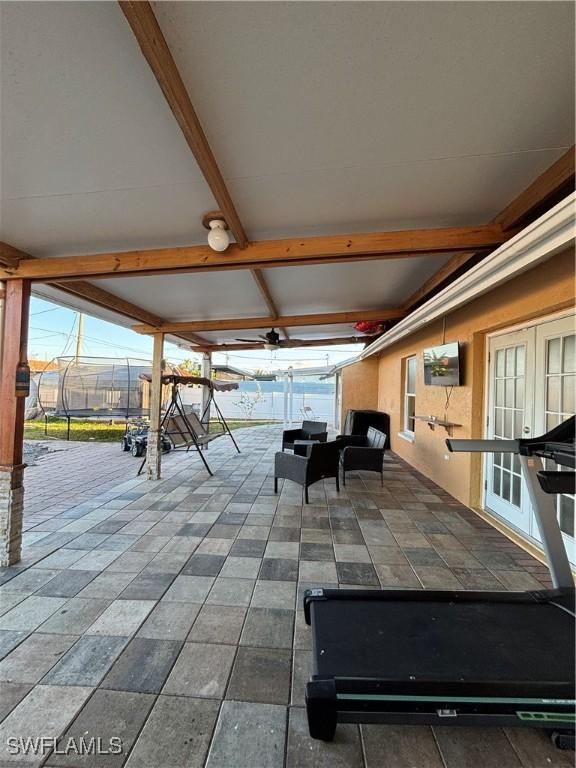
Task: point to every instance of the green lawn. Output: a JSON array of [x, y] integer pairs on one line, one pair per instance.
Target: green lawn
[[103, 431]]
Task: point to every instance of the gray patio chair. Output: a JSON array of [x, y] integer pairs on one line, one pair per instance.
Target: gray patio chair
[[362, 452], [310, 430], [321, 463]]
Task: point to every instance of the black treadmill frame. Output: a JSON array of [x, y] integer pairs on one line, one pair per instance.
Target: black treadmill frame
[[522, 703], [530, 703]]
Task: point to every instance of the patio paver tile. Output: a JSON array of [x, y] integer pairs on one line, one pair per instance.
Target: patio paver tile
[[122, 617], [344, 752], [255, 731], [177, 733], [108, 713], [143, 665], [260, 675], [201, 670], [169, 621], [87, 662]]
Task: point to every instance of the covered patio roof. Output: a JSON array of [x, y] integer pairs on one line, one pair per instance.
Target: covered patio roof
[[361, 156]]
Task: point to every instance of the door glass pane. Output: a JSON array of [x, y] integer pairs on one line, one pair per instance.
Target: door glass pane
[[500, 392], [519, 393], [552, 420], [506, 485], [507, 460], [510, 362], [569, 355], [518, 426], [554, 355], [520, 357], [553, 394], [496, 482], [568, 404], [500, 363], [508, 424], [499, 426], [516, 499], [510, 393], [567, 515]]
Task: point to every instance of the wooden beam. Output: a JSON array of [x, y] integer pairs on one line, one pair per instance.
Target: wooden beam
[[290, 344], [260, 281], [102, 298], [263, 254], [96, 295], [558, 179], [249, 323], [149, 36], [10, 256], [14, 352]]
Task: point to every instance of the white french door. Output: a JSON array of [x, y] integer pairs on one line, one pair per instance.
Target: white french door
[[532, 376], [510, 415], [555, 396]]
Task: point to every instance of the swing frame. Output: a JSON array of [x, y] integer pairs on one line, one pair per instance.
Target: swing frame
[[176, 413]]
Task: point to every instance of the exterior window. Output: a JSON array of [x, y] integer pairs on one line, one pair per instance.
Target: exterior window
[[409, 394]]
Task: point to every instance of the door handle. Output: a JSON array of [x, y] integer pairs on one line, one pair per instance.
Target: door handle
[[526, 430]]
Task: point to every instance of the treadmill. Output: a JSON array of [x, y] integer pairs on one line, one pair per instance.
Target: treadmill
[[428, 657]]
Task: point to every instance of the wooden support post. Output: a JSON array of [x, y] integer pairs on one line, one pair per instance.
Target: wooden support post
[[12, 407], [207, 374], [154, 449]]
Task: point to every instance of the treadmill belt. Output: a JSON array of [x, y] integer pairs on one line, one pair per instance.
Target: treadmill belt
[[476, 641]]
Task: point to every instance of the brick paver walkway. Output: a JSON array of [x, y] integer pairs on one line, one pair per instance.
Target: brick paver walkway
[[168, 614]]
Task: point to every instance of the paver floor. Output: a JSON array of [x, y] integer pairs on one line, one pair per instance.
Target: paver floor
[[168, 614]]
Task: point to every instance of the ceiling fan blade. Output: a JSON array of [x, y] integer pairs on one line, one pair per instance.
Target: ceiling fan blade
[[248, 341]]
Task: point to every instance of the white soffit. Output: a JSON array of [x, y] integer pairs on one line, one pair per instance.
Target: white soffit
[[350, 286], [192, 295], [325, 117], [92, 157], [552, 233], [336, 116]]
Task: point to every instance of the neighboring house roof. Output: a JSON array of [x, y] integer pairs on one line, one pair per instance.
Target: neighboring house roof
[[232, 371], [37, 366]]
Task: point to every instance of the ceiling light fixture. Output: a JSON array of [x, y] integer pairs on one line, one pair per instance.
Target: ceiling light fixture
[[218, 237]]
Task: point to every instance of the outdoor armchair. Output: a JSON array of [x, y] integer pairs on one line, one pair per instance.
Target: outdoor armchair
[[310, 430], [362, 452], [321, 462]]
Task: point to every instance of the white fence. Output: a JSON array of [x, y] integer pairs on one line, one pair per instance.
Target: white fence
[[272, 401]]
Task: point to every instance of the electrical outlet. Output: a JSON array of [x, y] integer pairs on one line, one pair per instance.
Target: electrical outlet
[[447, 457]]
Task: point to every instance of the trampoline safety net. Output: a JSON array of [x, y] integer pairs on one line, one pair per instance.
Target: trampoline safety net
[[96, 387]]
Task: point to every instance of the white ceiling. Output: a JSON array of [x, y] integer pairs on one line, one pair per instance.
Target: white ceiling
[[325, 117]]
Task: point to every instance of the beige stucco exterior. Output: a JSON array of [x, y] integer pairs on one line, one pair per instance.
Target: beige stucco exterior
[[359, 386], [542, 291]]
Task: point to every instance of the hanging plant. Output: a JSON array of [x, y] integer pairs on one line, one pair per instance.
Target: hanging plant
[[370, 327]]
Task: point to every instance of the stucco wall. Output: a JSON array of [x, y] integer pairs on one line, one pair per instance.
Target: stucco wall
[[359, 386], [541, 291], [544, 290]]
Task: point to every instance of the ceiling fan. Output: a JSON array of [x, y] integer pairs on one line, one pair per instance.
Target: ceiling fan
[[271, 340]]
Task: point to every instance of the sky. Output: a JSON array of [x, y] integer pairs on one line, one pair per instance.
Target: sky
[[53, 333]]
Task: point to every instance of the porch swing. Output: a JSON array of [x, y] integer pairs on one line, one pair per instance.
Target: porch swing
[[182, 426]]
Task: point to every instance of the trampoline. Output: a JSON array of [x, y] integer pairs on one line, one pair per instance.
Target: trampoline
[[95, 388]]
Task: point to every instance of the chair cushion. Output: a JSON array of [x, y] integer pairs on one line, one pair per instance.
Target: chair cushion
[[375, 438]]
